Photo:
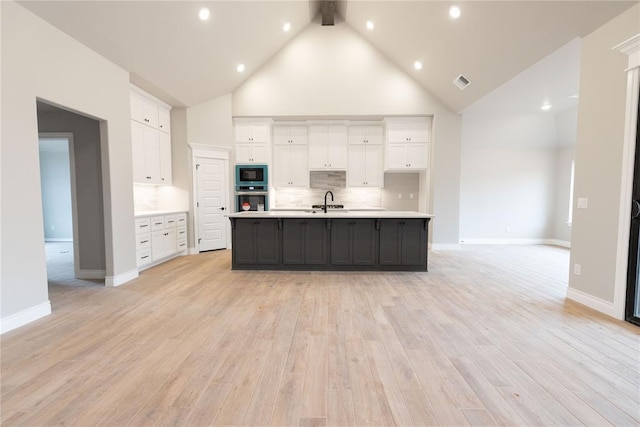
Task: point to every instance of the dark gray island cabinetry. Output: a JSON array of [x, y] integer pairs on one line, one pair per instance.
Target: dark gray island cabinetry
[[357, 241]]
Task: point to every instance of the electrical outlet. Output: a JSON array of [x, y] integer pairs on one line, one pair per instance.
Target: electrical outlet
[[399, 195], [577, 269], [411, 195], [53, 227], [507, 229]]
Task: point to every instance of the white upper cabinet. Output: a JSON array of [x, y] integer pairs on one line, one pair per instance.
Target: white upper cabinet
[[365, 166], [407, 157], [407, 130], [366, 134], [164, 119], [251, 133], [150, 139], [408, 143], [144, 110], [252, 140], [290, 134], [328, 147], [290, 167]]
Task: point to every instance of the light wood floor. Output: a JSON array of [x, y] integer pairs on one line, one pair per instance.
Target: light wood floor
[[485, 338]]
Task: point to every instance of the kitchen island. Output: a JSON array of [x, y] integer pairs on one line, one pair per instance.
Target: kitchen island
[[336, 240]]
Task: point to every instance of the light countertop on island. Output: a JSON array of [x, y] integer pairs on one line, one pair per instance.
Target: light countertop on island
[[336, 213]]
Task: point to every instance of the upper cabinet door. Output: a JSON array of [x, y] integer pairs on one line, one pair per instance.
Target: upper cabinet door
[[286, 134], [164, 120], [366, 134], [328, 147]]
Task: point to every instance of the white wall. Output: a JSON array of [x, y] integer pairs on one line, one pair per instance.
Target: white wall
[[210, 123], [39, 60], [601, 114], [333, 71], [506, 194], [508, 171], [55, 180]]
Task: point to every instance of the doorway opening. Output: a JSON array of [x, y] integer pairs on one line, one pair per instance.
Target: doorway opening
[[72, 196]]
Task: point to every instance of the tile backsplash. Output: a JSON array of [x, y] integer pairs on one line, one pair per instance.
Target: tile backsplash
[[145, 197], [320, 183]]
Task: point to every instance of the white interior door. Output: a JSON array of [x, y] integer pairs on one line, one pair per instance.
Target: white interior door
[[211, 183]]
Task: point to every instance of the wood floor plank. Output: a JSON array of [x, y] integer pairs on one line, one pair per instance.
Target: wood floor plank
[[486, 337], [286, 411], [340, 408], [314, 395]]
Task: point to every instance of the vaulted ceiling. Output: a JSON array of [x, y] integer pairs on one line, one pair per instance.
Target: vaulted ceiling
[[186, 61]]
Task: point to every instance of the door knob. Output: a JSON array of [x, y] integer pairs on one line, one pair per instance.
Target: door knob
[[222, 208]]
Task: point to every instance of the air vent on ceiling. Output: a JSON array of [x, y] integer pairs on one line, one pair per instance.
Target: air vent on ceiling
[[462, 82]]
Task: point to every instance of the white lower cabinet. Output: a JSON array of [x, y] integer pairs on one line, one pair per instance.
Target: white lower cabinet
[[159, 238]]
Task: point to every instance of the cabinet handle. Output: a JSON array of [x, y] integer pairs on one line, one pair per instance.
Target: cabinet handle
[[148, 177], [144, 225], [146, 256], [146, 120], [143, 241]]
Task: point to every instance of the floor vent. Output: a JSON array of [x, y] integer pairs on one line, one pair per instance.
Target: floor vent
[[461, 81]]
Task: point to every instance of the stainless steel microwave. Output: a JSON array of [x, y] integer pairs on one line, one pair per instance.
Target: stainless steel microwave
[[251, 176]]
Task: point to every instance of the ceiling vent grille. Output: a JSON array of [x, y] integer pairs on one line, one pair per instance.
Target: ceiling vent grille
[[462, 82]]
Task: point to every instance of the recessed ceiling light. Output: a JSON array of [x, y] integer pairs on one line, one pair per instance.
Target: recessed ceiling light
[[370, 25], [286, 27], [204, 14], [454, 12], [417, 65], [240, 68], [546, 107]]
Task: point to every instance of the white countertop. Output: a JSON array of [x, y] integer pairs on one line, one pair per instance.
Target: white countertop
[[157, 213], [346, 208], [338, 213]]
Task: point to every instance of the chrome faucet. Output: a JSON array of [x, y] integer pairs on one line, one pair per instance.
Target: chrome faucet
[[325, 200]]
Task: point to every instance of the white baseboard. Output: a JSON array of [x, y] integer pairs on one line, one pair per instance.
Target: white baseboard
[[58, 239], [561, 243], [91, 274], [515, 242], [590, 301], [445, 246], [23, 317], [193, 251], [121, 279]]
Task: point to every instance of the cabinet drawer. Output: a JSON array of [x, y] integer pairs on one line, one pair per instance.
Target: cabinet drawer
[[170, 221], [143, 241], [144, 257], [181, 219], [142, 225], [182, 245], [157, 223], [182, 232]]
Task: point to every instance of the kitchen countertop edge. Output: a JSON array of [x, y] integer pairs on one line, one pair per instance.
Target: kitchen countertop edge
[[141, 214], [330, 214]]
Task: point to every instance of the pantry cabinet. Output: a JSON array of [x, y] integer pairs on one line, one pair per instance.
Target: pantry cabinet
[[328, 147], [150, 140]]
